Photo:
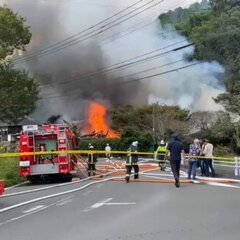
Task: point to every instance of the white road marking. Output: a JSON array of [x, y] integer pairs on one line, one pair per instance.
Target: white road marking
[[28, 213], [100, 204], [53, 186], [222, 185], [160, 178], [64, 202], [97, 205], [157, 174], [106, 202], [74, 190], [32, 212], [43, 188], [57, 194], [34, 209], [17, 185], [119, 203]]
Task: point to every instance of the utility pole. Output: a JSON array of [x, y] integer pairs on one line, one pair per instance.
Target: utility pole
[[153, 124]]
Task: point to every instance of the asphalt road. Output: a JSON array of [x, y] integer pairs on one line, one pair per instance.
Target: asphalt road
[[116, 210]]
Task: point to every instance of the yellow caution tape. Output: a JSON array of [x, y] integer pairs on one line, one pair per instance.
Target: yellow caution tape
[[18, 154]]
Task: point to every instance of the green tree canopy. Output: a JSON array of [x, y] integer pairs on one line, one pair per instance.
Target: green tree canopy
[[157, 120], [13, 33], [18, 92], [216, 35]]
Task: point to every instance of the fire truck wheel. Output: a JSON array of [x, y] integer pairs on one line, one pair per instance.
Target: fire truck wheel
[[68, 178], [34, 180]]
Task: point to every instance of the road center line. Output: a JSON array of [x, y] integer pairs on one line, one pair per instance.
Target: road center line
[[119, 203], [34, 209], [64, 202]]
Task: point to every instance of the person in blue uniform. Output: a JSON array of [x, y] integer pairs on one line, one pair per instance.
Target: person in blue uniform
[[175, 147]]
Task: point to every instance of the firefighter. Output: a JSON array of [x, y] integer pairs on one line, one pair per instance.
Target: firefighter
[[42, 157], [161, 154], [132, 162], [108, 154], [92, 160]]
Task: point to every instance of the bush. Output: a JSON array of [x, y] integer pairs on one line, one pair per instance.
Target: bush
[[223, 151], [145, 143], [100, 144], [9, 171]]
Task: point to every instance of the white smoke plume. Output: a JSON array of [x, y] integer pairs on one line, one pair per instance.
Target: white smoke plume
[[51, 21]]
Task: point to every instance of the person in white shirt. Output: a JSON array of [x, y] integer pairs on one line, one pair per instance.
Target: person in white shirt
[[108, 150], [208, 154]]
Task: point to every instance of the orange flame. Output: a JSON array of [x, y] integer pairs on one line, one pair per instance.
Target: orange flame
[[97, 120]]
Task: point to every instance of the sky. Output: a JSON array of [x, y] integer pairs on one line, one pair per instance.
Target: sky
[[54, 20]]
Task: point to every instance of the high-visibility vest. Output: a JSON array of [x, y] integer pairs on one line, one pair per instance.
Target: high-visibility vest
[[162, 149]]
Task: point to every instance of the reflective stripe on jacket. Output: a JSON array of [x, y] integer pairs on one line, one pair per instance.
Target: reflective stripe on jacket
[[132, 159]]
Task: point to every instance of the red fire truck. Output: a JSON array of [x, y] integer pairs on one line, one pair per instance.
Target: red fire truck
[[1, 187], [47, 138]]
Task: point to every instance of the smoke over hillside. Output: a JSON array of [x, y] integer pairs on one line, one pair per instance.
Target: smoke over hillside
[[52, 21]]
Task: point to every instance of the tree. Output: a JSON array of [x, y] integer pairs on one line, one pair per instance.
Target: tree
[[18, 92], [216, 35], [156, 120], [13, 33], [204, 121], [220, 6]]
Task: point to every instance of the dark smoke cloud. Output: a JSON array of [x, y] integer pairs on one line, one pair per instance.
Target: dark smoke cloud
[[54, 20], [49, 24]]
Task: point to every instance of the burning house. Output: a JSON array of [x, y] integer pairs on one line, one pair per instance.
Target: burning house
[[97, 123]]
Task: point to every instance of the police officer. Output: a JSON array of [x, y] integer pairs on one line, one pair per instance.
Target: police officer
[[132, 162], [161, 153], [92, 160]]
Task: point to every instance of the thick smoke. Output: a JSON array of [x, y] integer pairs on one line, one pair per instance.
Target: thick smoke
[[54, 20]]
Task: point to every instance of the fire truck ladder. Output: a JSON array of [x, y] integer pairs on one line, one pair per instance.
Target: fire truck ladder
[[31, 142], [83, 169]]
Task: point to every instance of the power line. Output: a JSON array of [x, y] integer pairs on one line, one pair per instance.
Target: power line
[[162, 73], [147, 70], [150, 20], [134, 80], [78, 40], [100, 31], [125, 63], [81, 32]]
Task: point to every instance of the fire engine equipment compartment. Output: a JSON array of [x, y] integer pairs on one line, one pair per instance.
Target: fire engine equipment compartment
[[47, 138]]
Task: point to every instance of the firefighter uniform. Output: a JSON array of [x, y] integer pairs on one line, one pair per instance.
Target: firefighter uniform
[[92, 160], [132, 162], [161, 154]]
